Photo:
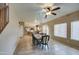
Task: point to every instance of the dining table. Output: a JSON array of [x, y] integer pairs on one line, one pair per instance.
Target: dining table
[[38, 37]]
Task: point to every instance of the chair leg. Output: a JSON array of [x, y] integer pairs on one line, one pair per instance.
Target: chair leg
[[47, 46], [42, 46]]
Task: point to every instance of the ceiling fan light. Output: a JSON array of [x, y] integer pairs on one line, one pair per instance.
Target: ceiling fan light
[[48, 13]]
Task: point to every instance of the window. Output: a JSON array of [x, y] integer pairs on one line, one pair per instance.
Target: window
[[45, 29], [75, 30], [60, 30]]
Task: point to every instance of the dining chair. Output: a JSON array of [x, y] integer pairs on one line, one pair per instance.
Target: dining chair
[[45, 40], [35, 40]]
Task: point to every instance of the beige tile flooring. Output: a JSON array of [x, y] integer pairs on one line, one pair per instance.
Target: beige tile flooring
[[25, 47]]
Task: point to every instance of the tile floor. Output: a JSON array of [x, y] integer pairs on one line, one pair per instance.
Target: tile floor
[[25, 47]]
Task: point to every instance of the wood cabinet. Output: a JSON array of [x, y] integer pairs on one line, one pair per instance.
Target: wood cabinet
[[4, 16]]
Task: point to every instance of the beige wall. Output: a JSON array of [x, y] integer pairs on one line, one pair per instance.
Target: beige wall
[[65, 19]]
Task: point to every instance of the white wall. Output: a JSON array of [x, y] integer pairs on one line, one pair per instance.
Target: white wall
[[10, 34]]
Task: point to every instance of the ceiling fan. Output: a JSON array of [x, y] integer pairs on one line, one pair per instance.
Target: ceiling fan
[[49, 10]]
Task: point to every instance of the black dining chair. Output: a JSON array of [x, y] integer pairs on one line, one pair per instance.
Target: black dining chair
[[35, 40], [45, 40]]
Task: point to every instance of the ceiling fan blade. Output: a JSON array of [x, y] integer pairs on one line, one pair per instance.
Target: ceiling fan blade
[[48, 8], [56, 8], [53, 13]]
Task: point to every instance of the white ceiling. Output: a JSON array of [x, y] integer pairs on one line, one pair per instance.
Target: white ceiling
[[31, 11]]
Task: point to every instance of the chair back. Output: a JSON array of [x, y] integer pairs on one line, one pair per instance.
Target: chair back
[[45, 39]]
